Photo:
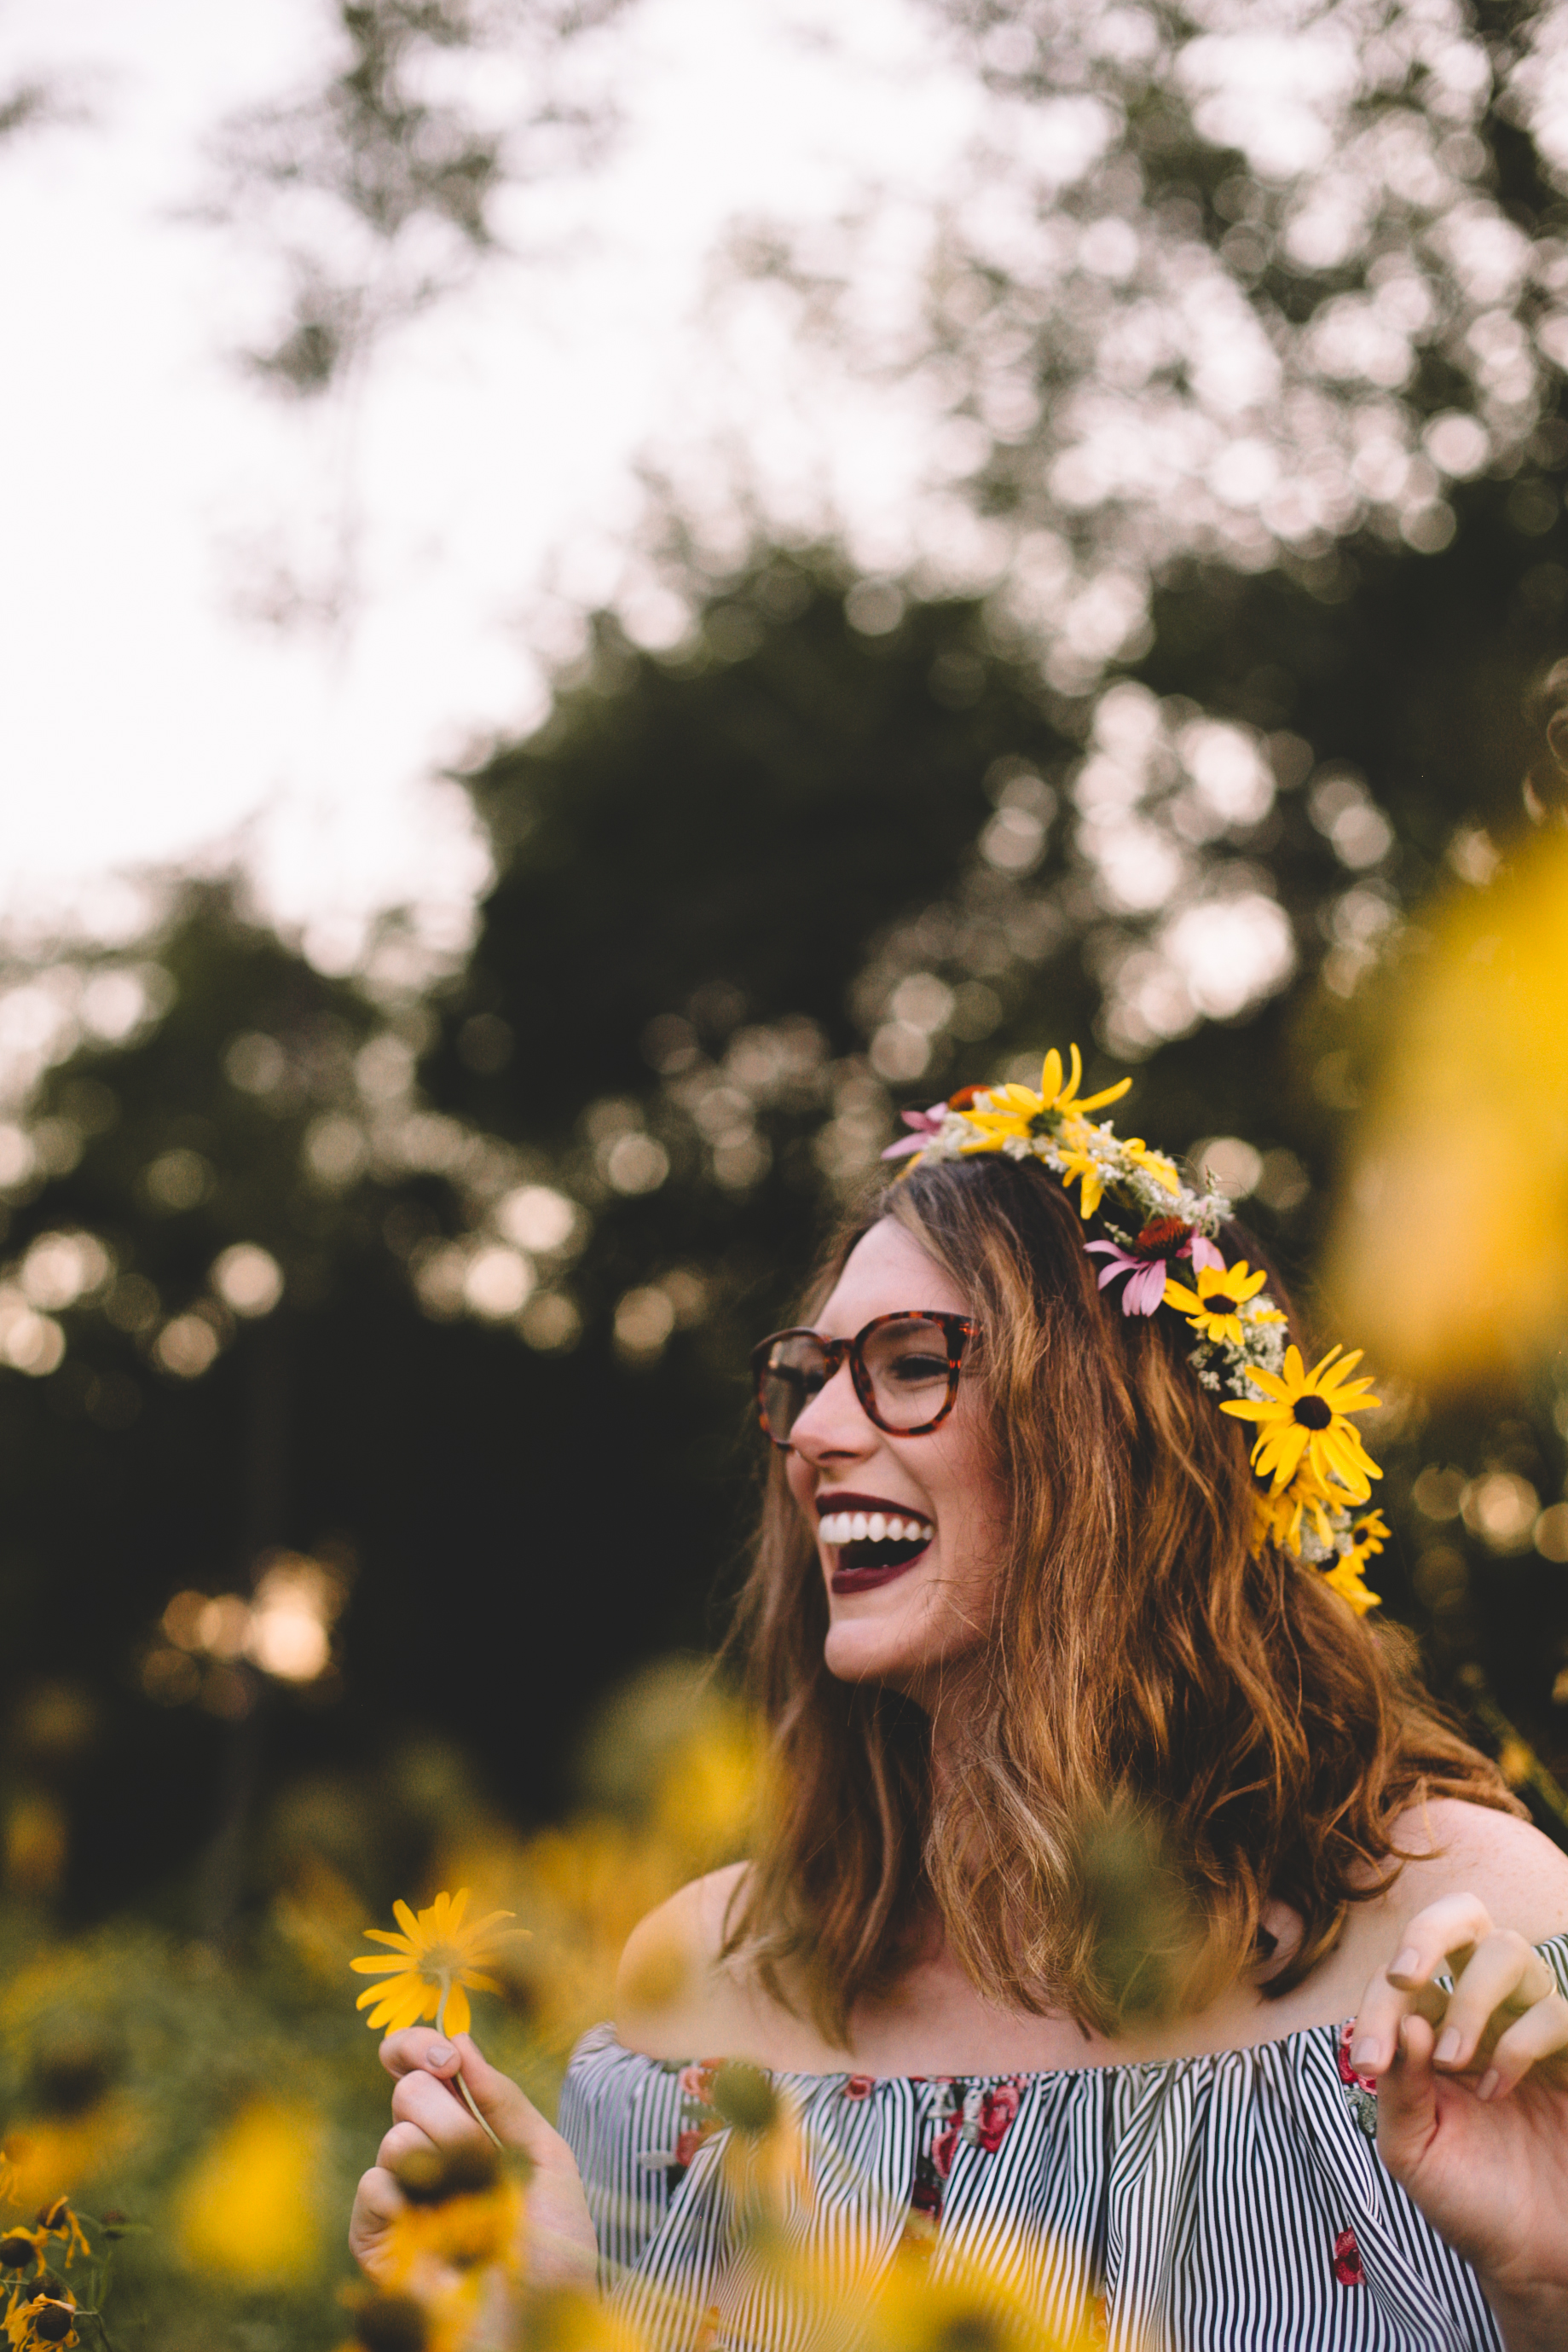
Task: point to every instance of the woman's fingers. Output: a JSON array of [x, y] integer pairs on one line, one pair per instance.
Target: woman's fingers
[[378, 2202], [1539, 2033], [1383, 2009], [403, 2140], [1503, 2015], [1434, 1942], [431, 2103], [1503, 1972], [514, 2119], [419, 2046], [426, 2093], [1407, 2099], [1436, 1936]]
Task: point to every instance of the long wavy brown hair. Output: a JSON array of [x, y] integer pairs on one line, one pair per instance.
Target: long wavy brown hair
[[1144, 1668]]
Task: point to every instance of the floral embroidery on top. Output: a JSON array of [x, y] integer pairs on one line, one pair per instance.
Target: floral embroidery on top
[[965, 2115], [699, 2120], [1360, 2090], [1347, 2264], [859, 2086]]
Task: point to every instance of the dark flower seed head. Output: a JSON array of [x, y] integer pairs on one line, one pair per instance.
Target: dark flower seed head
[[1160, 1237], [390, 2323], [15, 2252], [745, 2097], [1311, 1413], [53, 2322], [430, 2176]]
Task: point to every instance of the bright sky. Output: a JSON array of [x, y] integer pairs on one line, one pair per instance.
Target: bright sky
[[152, 489]]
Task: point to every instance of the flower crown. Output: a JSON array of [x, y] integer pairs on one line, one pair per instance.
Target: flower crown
[[1315, 1474]]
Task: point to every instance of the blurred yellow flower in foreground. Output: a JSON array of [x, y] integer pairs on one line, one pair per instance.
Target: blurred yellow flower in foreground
[[1451, 1255], [435, 1967], [248, 2211], [44, 2157]]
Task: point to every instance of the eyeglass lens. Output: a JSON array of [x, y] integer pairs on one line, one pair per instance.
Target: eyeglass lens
[[906, 1371]]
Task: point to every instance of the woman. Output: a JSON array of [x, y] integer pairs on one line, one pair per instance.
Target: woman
[[1059, 1603]]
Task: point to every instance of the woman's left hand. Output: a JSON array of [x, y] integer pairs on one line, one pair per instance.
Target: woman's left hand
[[1472, 2106]]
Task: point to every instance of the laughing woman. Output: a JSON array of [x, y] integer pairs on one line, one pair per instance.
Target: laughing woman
[[1063, 1557]]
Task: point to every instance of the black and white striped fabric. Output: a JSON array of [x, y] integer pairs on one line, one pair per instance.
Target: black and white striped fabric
[[1230, 2203]]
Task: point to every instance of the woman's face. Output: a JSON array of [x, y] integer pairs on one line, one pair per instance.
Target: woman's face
[[901, 1608]]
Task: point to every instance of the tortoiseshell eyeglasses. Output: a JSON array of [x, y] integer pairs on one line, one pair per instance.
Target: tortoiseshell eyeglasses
[[904, 1368]]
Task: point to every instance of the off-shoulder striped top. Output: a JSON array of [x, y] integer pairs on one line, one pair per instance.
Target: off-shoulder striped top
[[1229, 2203]]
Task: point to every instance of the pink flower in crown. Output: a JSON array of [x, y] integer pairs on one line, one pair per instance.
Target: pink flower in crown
[[1147, 1264], [926, 1123]]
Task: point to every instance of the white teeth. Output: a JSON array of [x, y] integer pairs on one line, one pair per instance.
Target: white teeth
[[875, 1527]]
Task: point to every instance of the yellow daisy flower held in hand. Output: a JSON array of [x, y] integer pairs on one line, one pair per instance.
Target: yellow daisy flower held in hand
[[437, 1967], [1214, 1306], [1302, 1417]]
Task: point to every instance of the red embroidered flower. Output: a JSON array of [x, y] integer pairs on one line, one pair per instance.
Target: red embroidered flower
[[996, 2114], [689, 2142], [698, 2081], [859, 2086], [1349, 2075], [1347, 2267]]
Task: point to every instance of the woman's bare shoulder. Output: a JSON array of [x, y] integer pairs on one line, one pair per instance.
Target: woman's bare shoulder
[[675, 1996], [1458, 1848]]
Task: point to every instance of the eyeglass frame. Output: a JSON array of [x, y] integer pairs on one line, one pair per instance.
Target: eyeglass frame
[[958, 1330]]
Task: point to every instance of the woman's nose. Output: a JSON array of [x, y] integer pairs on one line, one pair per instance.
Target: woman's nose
[[835, 1421]]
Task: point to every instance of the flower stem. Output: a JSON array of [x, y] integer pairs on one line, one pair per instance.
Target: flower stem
[[467, 2095]]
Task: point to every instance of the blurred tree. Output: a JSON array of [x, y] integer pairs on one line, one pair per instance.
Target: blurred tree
[[220, 1392], [372, 195]]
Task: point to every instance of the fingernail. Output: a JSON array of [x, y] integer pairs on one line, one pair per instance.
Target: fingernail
[[1488, 2085], [439, 2054], [1366, 2054], [1448, 2048], [1408, 1964]]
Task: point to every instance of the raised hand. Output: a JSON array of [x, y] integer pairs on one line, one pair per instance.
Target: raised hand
[[429, 2116], [1473, 2106]]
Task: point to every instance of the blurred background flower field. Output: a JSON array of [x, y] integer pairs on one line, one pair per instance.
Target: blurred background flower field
[[605, 596]]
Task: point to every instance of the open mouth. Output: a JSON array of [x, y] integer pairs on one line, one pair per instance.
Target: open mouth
[[872, 1546]]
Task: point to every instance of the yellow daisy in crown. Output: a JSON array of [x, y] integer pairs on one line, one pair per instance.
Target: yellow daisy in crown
[[1302, 1418], [1011, 1110], [1346, 1578], [1159, 1240], [437, 1965], [1213, 1306]]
